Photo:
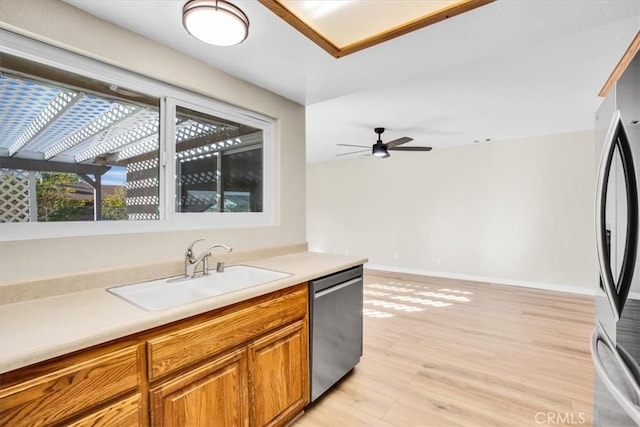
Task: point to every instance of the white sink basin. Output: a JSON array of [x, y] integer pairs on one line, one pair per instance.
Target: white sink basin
[[166, 293]]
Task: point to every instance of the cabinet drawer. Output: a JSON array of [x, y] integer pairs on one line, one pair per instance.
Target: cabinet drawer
[[124, 413], [64, 391], [176, 350]]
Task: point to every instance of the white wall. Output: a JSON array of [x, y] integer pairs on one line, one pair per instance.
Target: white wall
[[515, 211], [62, 25]]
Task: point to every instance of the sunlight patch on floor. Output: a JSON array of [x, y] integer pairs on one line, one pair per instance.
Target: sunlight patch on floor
[[375, 313], [421, 301], [388, 295], [391, 288], [376, 293], [393, 305]]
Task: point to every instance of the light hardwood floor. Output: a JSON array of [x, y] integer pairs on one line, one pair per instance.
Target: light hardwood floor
[[440, 352]]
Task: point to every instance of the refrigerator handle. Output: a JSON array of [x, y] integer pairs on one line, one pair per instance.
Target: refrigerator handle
[[600, 335], [617, 137], [631, 238], [601, 198]]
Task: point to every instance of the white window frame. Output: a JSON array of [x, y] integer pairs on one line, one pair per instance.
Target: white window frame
[[229, 219], [169, 96]]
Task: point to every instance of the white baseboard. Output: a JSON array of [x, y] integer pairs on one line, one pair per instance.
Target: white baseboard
[[500, 281]]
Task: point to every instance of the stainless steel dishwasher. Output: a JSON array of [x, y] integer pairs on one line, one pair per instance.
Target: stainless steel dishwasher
[[335, 317]]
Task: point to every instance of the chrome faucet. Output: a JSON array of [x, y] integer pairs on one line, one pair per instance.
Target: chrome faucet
[[191, 262]]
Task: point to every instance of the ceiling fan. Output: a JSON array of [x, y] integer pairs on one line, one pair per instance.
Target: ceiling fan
[[380, 149]]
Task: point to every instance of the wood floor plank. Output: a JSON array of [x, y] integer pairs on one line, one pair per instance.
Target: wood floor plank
[[442, 352]]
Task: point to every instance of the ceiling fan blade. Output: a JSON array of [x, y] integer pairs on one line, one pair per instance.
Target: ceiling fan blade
[[398, 141], [409, 148], [351, 152], [351, 145]]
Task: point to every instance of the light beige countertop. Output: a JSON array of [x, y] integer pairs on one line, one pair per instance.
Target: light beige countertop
[[36, 330]]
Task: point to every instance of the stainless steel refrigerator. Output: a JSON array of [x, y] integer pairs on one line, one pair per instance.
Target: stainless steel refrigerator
[[615, 343]]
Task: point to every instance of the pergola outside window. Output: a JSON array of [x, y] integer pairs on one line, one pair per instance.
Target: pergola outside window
[[59, 144]]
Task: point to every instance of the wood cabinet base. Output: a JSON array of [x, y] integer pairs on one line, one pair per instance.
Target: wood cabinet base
[[242, 365]]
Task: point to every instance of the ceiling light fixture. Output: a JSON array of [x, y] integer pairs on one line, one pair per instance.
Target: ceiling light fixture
[[215, 22]]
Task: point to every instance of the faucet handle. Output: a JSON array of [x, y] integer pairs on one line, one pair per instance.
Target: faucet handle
[[218, 245], [189, 252]]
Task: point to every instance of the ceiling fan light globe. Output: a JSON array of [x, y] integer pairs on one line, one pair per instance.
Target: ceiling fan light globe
[[379, 150]]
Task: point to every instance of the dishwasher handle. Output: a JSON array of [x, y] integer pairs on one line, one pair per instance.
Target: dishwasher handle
[[336, 288]]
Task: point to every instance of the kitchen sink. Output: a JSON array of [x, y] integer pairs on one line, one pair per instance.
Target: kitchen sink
[[172, 292]]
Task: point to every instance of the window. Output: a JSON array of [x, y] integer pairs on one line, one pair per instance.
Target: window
[[83, 145], [75, 152], [218, 164]]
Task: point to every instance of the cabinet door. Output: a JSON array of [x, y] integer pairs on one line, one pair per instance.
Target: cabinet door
[[279, 375], [215, 394]]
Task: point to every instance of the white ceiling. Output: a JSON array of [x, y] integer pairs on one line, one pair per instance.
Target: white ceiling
[[512, 69]]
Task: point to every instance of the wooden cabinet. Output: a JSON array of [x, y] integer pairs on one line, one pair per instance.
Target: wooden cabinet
[[196, 340], [263, 381], [242, 365], [278, 375], [214, 394], [69, 386]]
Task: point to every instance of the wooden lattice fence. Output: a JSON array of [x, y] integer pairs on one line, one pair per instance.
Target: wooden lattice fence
[[15, 203]]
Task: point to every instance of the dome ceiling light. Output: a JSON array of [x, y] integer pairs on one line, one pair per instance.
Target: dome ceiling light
[[216, 22]]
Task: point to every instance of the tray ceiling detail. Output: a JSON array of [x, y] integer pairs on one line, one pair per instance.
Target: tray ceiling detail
[[348, 26]]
